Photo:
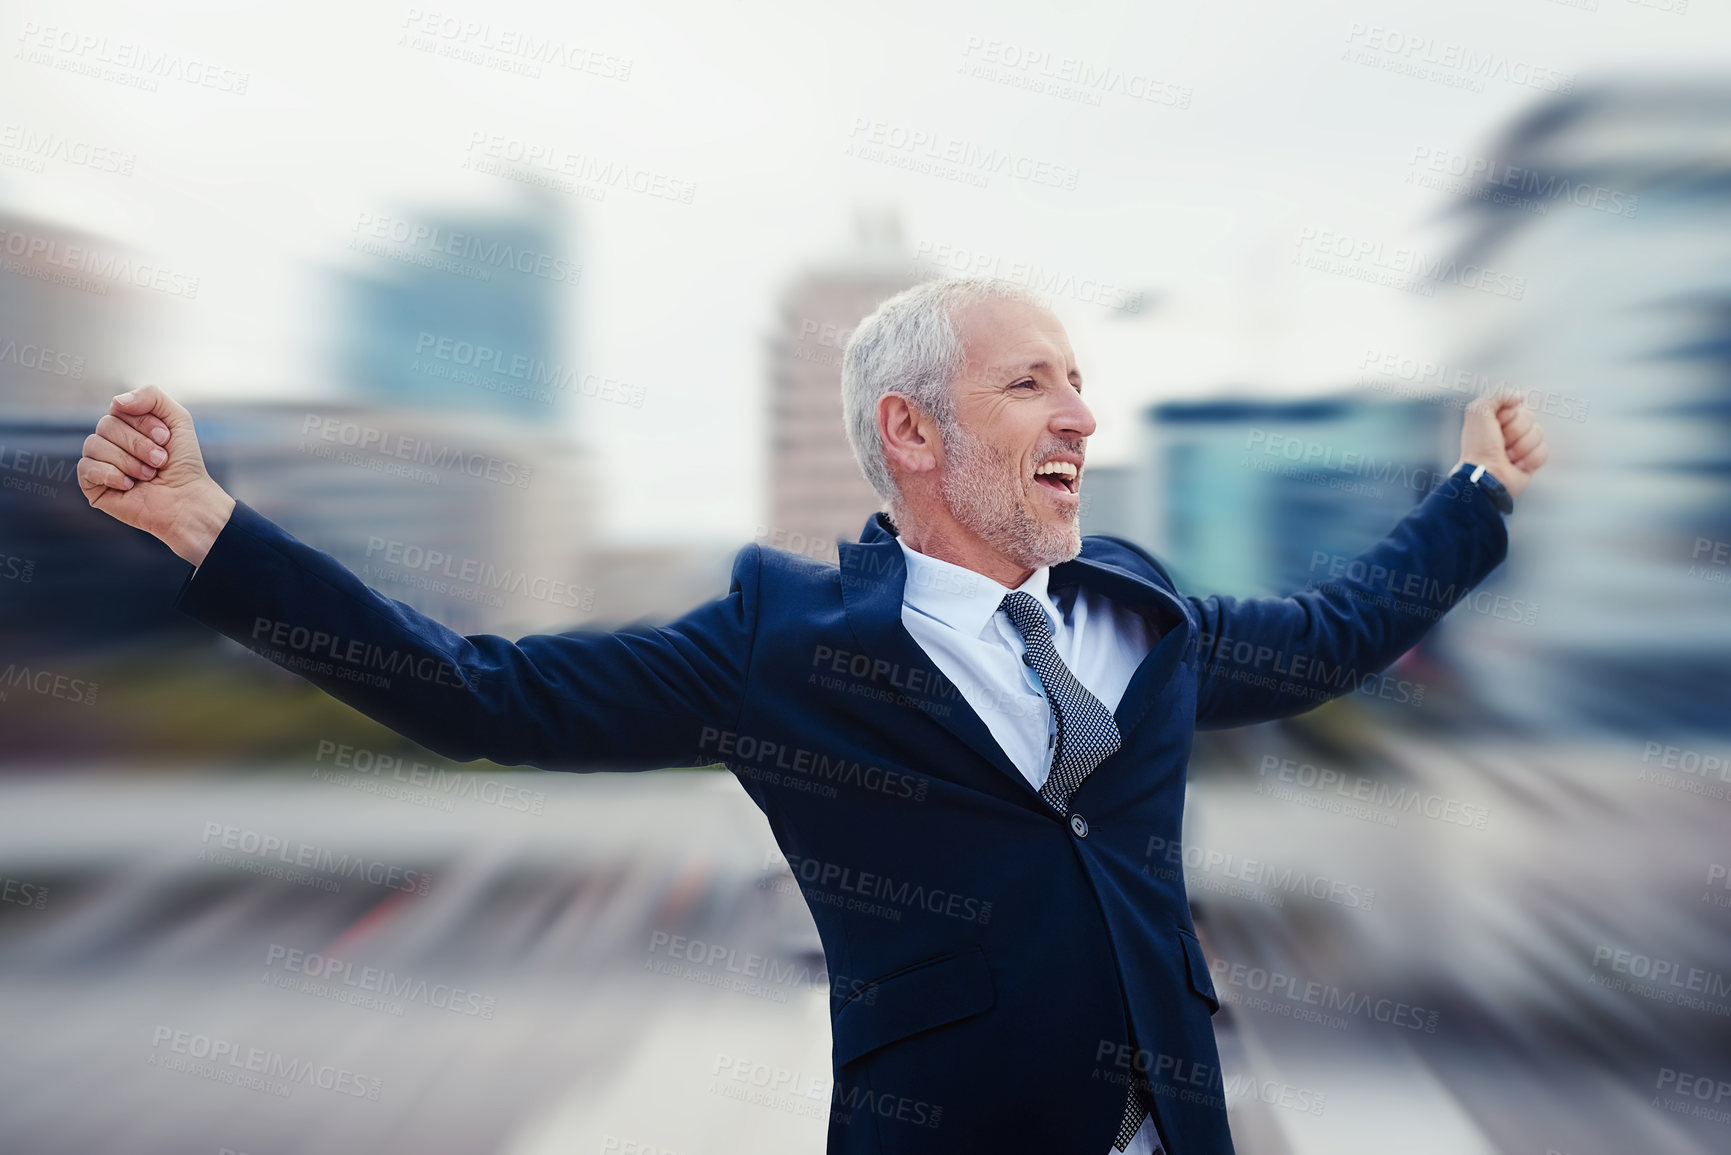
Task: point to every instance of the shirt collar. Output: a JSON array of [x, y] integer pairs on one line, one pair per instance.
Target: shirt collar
[[960, 598]]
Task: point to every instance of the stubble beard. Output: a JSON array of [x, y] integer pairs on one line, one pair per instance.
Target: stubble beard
[[982, 489]]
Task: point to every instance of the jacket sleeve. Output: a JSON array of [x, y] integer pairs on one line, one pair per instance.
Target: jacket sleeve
[[635, 699], [1266, 658]]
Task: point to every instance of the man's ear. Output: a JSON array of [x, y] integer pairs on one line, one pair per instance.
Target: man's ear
[[909, 435]]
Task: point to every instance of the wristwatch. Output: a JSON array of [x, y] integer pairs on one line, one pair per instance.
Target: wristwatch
[[1487, 481]]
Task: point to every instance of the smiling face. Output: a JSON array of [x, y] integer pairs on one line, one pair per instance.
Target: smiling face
[[1012, 459]]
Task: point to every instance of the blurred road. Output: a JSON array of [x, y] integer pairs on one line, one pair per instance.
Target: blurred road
[[247, 963]]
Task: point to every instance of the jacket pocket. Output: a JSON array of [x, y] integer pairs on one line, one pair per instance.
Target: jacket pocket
[[917, 998], [1197, 965]]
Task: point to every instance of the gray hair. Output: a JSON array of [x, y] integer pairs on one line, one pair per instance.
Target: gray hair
[[908, 345]]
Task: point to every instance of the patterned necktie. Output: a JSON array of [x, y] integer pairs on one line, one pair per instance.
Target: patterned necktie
[[1087, 736]]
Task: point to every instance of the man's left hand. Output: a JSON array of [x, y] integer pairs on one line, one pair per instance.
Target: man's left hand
[[1501, 434]]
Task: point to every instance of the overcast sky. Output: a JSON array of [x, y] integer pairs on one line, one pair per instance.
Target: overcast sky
[[1258, 120]]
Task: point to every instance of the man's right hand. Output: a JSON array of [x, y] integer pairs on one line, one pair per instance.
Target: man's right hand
[[142, 466]]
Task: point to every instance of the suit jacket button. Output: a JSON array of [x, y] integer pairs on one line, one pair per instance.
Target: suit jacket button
[[1078, 826]]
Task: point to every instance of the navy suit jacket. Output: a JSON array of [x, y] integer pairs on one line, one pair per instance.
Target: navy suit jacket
[[1010, 967]]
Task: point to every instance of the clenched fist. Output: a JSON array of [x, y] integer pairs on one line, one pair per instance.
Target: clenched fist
[[1500, 434], [142, 466]]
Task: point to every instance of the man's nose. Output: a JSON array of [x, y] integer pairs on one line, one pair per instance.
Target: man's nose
[[1074, 418]]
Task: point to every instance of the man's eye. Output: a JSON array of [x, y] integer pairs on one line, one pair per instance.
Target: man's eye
[[1030, 383]]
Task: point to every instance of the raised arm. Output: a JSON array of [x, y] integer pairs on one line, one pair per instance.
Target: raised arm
[[582, 700], [1266, 658]]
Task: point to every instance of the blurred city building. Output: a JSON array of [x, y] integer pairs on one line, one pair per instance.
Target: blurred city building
[[817, 494], [440, 479], [655, 583], [1240, 496], [466, 517], [1613, 205], [460, 311], [1110, 500], [76, 314]]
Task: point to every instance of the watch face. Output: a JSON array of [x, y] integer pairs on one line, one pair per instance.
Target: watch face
[[1497, 492]]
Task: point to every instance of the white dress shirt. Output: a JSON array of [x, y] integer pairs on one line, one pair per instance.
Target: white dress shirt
[[953, 614]]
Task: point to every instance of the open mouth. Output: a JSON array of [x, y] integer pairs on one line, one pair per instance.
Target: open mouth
[[1062, 476]]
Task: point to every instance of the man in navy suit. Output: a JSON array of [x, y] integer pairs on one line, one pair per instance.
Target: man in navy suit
[[964, 737]]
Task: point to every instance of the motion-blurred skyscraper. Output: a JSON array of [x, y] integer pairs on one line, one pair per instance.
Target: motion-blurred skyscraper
[[1615, 205], [77, 312], [451, 337], [817, 494], [1240, 496], [460, 311]]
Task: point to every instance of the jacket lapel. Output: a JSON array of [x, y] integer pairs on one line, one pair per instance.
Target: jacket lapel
[[873, 577], [1169, 615]]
